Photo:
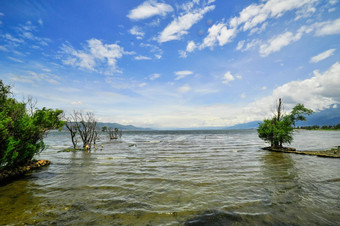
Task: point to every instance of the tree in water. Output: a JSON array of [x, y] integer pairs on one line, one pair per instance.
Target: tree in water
[[114, 133], [85, 125], [279, 129]]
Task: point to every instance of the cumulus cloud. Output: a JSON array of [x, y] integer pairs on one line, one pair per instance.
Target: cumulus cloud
[[322, 56], [182, 74], [276, 43], [282, 40], [218, 34], [135, 30], [228, 77], [330, 27], [254, 19], [256, 14], [96, 56], [180, 25], [317, 92], [149, 9], [191, 46]]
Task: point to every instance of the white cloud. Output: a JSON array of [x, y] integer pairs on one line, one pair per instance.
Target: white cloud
[[154, 76], [182, 74], [330, 27], [15, 59], [2, 14], [142, 58], [40, 22], [256, 14], [240, 45], [141, 85], [191, 46], [322, 56], [149, 9], [3, 48], [76, 103], [135, 30], [243, 96], [251, 18], [34, 77], [264, 87], [282, 40], [238, 76], [13, 39], [180, 25], [227, 78], [317, 92], [184, 89], [96, 56], [218, 33], [158, 52]]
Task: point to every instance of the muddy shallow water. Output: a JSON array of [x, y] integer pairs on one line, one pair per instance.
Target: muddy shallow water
[[179, 177]]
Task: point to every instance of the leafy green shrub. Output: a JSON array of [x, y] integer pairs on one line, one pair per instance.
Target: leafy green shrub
[[21, 132], [279, 129]]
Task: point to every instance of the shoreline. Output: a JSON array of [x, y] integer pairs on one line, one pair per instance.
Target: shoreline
[[333, 153], [10, 174]]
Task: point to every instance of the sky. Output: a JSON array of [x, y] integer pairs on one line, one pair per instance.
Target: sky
[[172, 64]]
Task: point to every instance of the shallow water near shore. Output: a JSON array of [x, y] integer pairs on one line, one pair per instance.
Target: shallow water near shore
[[179, 177]]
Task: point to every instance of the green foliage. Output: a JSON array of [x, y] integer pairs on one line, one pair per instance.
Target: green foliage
[[104, 128], [279, 130], [21, 133]]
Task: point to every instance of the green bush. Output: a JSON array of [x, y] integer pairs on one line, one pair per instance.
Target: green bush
[[21, 131], [279, 129]]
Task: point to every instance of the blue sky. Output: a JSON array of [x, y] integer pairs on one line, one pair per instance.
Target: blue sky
[[170, 64]]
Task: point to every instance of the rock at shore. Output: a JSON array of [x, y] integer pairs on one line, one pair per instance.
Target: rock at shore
[[9, 174]]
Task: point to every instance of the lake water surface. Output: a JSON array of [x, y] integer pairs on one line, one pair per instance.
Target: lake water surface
[[179, 177]]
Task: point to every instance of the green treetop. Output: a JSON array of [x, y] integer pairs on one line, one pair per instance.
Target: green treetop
[[22, 128], [279, 129]]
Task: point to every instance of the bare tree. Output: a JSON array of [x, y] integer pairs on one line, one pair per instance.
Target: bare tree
[[84, 125], [114, 133], [72, 128]]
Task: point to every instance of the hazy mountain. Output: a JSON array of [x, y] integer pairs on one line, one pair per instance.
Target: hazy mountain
[[330, 116], [121, 127]]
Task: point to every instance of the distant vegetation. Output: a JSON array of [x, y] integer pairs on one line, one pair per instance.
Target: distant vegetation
[[22, 128], [279, 130], [114, 133], [316, 127]]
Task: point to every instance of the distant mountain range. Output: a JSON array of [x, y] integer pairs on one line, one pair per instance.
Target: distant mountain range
[[122, 127], [330, 116]]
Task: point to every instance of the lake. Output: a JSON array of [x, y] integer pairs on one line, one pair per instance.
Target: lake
[[179, 177]]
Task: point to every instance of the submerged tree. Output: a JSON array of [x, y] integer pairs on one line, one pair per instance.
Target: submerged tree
[[85, 126], [114, 133], [279, 129], [22, 128]]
